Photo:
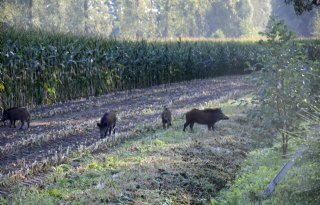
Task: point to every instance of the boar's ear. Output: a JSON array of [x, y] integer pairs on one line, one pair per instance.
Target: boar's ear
[[98, 124]]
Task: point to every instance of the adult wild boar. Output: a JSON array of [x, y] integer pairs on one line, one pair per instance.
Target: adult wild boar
[[107, 124], [3, 119], [166, 118], [16, 113], [207, 117]]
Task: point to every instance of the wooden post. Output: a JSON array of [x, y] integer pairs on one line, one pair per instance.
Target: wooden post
[[283, 172]]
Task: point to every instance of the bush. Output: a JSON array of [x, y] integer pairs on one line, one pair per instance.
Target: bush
[[284, 81]]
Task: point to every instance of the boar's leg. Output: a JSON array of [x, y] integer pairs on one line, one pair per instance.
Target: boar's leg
[[13, 122], [165, 124], [109, 130], [113, 138], [185, 125], [28, 123], [212, 126], [191, 126], [114, 129], [22, 123], [105, 134]]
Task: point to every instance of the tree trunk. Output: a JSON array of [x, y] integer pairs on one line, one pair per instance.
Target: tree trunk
[[86, 16], [60, 24], [166, 23], [285, 139], [30, 15], [284, 149]]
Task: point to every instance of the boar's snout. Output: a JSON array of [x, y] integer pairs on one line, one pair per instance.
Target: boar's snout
[[103, 130], [4, 117], [221, 115], [224, 117]]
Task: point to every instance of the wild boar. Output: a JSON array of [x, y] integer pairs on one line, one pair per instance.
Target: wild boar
[[207, 117], [107, 124], [166, 118], [16, 113], [5, 114]]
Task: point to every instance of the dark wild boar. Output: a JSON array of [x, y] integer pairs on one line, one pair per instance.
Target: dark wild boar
[[5, 114], [107, 124], [16, 113], [206, 117], [166, 118]]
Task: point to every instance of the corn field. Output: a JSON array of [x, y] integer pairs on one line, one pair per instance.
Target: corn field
[[42, 68]]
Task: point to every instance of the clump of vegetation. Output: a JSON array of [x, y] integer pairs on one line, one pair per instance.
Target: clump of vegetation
[[286, 101], [218, 34], [284, 80], [301, 182], [42, 68]]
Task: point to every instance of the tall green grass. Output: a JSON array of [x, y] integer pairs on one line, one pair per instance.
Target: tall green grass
[[39, 67]]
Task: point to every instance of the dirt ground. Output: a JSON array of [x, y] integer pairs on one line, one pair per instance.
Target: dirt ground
[[64, 127]]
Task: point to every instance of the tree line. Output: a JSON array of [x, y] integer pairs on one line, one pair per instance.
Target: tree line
[[137, 19]]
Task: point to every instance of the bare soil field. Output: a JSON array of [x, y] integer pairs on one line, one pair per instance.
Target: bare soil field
[[61, 128]]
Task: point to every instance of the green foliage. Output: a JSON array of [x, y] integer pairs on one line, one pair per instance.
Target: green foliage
[[40, 68], [283, 79], [2, 88], [111, 162], [55, 193], [301, 6], [218, 34], [300, 183], [142, 19], [316, 24]]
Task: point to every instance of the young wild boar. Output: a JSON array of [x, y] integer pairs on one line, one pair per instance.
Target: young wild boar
[[107, 124], [166, 118], [207, 117], [16, 113]]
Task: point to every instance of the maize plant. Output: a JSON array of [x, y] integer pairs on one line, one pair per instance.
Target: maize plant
[[42, 68]]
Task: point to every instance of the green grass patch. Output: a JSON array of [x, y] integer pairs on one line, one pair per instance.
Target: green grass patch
[[299, 186]]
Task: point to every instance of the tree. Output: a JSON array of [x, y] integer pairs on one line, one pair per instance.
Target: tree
[[86, 16], [316, 25], [301, 25], [221, 16], [47, 15], [245, 15], [301, 6], [218, 34], [283, 81], [30, 16], [261, 12]]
